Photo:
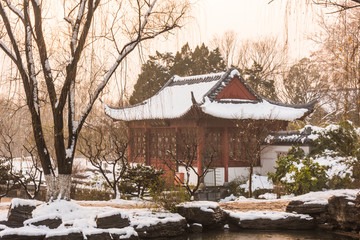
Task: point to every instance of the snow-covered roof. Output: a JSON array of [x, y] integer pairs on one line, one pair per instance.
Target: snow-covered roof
[[181, 94]]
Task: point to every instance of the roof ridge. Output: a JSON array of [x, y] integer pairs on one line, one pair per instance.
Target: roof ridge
[[228, 76]]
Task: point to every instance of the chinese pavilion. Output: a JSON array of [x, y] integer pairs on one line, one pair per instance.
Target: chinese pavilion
[[207, 107]]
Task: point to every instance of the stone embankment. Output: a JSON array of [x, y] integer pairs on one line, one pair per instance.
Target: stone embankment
[[338, 213]]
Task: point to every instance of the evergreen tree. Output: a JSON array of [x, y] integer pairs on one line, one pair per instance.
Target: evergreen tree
[[159, 68], [254, 77], [154, 74]]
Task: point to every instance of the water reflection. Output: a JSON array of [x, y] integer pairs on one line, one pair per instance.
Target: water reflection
[[261, 235]]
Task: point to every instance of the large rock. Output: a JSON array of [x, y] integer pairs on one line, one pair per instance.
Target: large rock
[[306, 208], [316, 209], [70, 236], [50, 222], [344, 213], [162, 230], [270, 221], [208, 214], [22, 237], [112, 220], [127, 233], [20, 210]]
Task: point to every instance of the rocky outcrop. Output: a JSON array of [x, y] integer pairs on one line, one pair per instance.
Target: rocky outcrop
[[195, 228], [344, 214], [22, 237], [337, 213], [319, 211], [301, 207], [18, 213], [70, 236], [162, 230], [211, 216], [51, 223], [116, 220], [270, 221]]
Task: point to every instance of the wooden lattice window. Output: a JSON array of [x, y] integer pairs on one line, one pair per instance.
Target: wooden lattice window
[[213, 142], [161, 142], [139, 143], [243, 148], [187, 144], [236, 147]]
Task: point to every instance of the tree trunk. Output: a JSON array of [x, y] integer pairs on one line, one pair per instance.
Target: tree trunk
[[251, 170], [58, 187]]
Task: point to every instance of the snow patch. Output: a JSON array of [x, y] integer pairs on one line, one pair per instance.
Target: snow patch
[[271, 215], [17, 202]]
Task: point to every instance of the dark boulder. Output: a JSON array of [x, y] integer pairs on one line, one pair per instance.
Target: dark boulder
[[162, 230], [195, 228], [208, 217], [69, 236], [116, 220], [18, 213], [113, 234], [27, 236], [306, 208], [290, 222], [344, 213], [51, 223]]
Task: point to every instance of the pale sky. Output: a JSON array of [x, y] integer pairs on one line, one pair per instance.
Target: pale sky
[[250, 19]]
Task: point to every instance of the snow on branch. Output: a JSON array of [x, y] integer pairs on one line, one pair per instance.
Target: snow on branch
[[8, 51], [76, 26]]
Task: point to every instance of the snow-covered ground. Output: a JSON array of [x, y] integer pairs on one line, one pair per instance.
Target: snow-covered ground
[[320, 197], [82, 218]]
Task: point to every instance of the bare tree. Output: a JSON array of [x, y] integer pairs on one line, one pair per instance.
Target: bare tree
[[106, 151], [26, 44], [29, 175], [186, 157], [339, 54], [227, 44], [251, 136]]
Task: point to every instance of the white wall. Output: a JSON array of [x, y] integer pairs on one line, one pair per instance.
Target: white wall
[[269, 156], [268, 159]]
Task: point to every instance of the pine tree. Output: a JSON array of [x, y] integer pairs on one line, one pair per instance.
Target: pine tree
[[254, 78], [159, 68]]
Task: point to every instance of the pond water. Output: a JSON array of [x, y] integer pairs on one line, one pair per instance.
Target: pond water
[[262, 235]]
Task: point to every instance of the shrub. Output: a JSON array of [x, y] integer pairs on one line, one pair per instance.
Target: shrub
[[333, 163], [91, 194], [143, 178], [235, 189], [170, 198], [298, 174]]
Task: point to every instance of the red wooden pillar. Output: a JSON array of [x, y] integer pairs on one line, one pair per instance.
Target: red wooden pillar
[[147, 147], [225, 151], [130, 143], [200, 147]]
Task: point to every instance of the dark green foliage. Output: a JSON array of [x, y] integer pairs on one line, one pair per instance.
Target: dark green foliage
[[343, 140], [340, 142], [298, 174], [254, 77], [168, 198], [159, 68], [6, 180], [90, 194], [143, 178], [235, 189]]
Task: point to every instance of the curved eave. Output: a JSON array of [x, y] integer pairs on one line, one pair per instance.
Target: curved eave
[[124, 114]]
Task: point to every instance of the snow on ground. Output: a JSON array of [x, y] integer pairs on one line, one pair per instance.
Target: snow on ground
[[271, 215], [82, 219], [205, 206], [320, 197], [258, 182]]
